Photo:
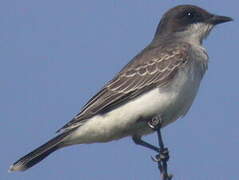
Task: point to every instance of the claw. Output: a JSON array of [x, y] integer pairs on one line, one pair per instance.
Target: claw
[[164, 155], [156, 158]]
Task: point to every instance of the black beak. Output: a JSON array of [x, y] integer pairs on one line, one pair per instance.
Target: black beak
[[215, 19]]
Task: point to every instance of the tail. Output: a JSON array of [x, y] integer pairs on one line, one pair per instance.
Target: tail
[[39, 154]]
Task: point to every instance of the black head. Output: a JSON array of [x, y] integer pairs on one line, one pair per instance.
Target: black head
[[180, 18]]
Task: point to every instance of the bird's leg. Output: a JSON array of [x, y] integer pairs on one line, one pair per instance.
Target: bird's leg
[[137, 140], [163, 156]]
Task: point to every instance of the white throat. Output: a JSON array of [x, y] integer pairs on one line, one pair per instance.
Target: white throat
[[196, 33]]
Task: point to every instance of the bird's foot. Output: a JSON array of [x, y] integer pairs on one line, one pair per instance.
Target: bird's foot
[[162, 159], [163, 156]]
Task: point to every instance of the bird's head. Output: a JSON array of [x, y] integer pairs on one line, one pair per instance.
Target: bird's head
[[188, 21]]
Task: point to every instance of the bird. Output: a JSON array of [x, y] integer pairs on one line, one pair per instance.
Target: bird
[[161, 81]]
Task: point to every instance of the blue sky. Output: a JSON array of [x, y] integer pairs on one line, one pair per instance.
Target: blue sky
[[47, 48]]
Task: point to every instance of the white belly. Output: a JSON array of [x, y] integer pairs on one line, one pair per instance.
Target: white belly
[[129, 119]]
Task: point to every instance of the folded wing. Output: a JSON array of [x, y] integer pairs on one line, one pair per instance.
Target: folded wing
[[153, 67]]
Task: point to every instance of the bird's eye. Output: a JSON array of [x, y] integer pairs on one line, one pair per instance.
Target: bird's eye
[[190, 15]]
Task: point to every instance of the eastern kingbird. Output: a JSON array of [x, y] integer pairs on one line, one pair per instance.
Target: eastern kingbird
[[161, 81]]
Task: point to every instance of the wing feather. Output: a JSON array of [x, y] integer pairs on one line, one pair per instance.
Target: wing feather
[[151, 68]]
